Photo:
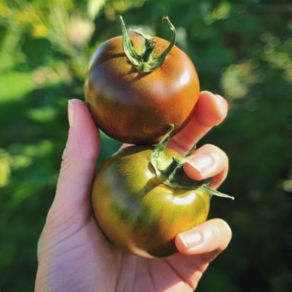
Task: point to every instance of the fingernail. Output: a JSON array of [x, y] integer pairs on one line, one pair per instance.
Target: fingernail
[[202, 163], [191, 240], [71, 113]]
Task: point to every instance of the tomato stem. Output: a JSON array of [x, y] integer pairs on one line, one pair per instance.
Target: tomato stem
[[145, 62], [170, 172]]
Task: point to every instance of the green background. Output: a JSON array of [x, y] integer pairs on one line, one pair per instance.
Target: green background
[[241, 49]]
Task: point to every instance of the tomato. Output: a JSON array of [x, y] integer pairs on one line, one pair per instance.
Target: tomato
[[142, 198], [137, 212], [134, 106]]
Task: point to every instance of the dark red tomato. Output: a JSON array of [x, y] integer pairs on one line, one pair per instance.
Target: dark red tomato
[[137, 212], [135, 107]]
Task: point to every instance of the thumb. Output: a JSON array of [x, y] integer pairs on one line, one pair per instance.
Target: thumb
[[78, 161], [75, 178]]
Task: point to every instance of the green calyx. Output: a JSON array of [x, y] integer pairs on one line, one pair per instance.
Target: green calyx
[[145, 62], [170, 172]]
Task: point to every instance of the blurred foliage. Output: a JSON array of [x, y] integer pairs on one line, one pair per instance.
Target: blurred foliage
[[242, 50]]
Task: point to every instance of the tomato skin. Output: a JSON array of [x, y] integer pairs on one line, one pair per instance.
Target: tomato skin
[[138, 213], [135, 107]]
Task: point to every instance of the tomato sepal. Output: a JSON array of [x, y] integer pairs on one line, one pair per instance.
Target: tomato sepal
[[170, 171], [145, 62]]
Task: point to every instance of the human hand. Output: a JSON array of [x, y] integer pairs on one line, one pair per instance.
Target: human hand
[[73, 253]]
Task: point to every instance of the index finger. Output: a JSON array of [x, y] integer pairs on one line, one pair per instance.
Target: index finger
[[210, 111]]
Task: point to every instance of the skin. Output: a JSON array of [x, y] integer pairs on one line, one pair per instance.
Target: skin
[[73, 253], [138, 108]]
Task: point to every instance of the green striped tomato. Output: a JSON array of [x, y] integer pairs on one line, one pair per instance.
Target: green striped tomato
[[138, 213]]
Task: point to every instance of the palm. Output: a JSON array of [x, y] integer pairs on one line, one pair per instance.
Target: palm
[[176, 273], [92, 261]]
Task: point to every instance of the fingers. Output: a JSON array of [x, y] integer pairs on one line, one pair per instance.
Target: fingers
[[79, 160], [208, 239], [210, 111], [208, 161]]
